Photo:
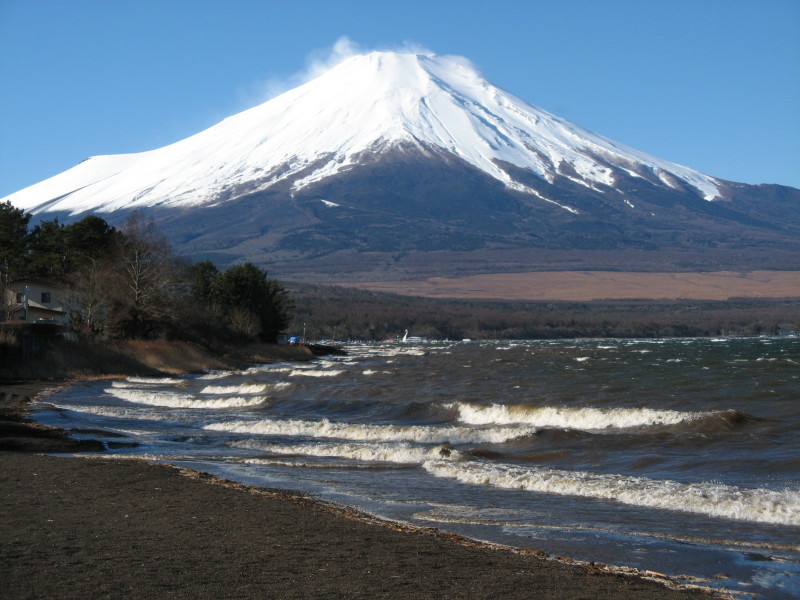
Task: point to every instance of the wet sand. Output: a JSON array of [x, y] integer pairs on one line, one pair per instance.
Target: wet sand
[[90, 527]]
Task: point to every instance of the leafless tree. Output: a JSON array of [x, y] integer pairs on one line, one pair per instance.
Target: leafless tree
[[147, 275], [244, 322], [90, 299]]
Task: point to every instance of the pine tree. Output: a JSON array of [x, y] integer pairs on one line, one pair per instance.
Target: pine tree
[[13, 240], [252, 304]]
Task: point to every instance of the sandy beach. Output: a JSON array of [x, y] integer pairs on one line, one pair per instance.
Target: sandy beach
[[89, 527]]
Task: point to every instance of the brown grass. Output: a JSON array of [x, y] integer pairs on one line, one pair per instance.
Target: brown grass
[[582, 286], [69, 360]]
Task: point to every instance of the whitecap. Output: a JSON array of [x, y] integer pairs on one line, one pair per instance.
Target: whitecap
[[314, 373], [155, 380], [584, 419], [175, 400], [245, 388], [216, 375], [713, 499], [375, 433], [393, 453]]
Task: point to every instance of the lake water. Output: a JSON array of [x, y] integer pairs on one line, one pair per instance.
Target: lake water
[[679, 456]]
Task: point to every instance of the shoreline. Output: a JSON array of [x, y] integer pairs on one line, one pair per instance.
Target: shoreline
[[101, 527]]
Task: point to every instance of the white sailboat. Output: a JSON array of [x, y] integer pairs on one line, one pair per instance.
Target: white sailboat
[[412, 339]]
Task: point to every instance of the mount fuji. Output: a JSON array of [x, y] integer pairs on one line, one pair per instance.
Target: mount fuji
[[400, 164]]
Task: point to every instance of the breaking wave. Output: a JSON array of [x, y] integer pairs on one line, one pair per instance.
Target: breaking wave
[[392, 453], [154, 380], [246, 388], [176, 400], [386, 433], [585, 419], [147, 383], [215, 375], [713, 499], [122, 412], [315, 373]]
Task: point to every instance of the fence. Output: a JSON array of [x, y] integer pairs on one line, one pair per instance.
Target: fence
[[28, 340]]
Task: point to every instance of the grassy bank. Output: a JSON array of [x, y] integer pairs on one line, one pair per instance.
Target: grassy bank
[[23, 378], [65, 360]]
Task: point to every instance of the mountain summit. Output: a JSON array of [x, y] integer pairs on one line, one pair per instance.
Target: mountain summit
[[367, 104], [394, 153]]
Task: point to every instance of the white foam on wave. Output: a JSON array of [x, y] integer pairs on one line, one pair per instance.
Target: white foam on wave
[[245, 388], [121, 412], [175, 400], [142, 382], [127, 384], [386, 351], [315, 373], [217, 375], [268, 368], [154, 380], [584, 419], [368, 372], [393, 453], [713, 499], [375, 433]]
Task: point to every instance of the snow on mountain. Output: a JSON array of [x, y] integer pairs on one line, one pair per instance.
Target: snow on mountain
[[366, 104]]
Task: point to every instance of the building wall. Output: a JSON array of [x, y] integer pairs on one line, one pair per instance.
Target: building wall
[[44, 301]]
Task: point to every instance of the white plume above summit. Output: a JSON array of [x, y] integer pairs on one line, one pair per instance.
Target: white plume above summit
[[366, 104]]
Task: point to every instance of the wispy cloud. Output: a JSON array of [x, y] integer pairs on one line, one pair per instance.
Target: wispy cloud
[[319, 62]]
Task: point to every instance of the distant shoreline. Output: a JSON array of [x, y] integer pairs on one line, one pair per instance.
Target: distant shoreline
[[585, 286]]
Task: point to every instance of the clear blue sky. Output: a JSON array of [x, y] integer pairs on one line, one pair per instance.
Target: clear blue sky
[[712, 84]]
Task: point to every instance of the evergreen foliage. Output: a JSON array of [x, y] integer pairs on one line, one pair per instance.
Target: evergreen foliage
[[13, 239], [254, 305], [128, 283], [200, 276]]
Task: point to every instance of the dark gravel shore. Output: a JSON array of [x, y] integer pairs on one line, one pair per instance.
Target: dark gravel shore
[[98, 528]]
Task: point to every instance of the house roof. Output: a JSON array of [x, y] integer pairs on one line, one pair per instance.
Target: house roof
[[18, 306]]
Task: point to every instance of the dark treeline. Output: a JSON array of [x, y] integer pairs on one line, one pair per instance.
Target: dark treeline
[[356, 314], [128, 283]]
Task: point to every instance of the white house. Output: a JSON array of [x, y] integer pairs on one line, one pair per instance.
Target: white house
[[33, 300]]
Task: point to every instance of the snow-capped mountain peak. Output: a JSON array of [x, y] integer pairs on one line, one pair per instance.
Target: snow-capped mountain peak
[[367, 104]]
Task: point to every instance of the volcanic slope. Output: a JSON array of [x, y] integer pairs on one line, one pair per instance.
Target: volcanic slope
[[401, 164]]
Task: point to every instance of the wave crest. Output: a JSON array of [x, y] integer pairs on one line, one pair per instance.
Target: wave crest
[[245, 388], [585, 419], [175, 400], [391, 453], [717, 500], [385, 433]]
